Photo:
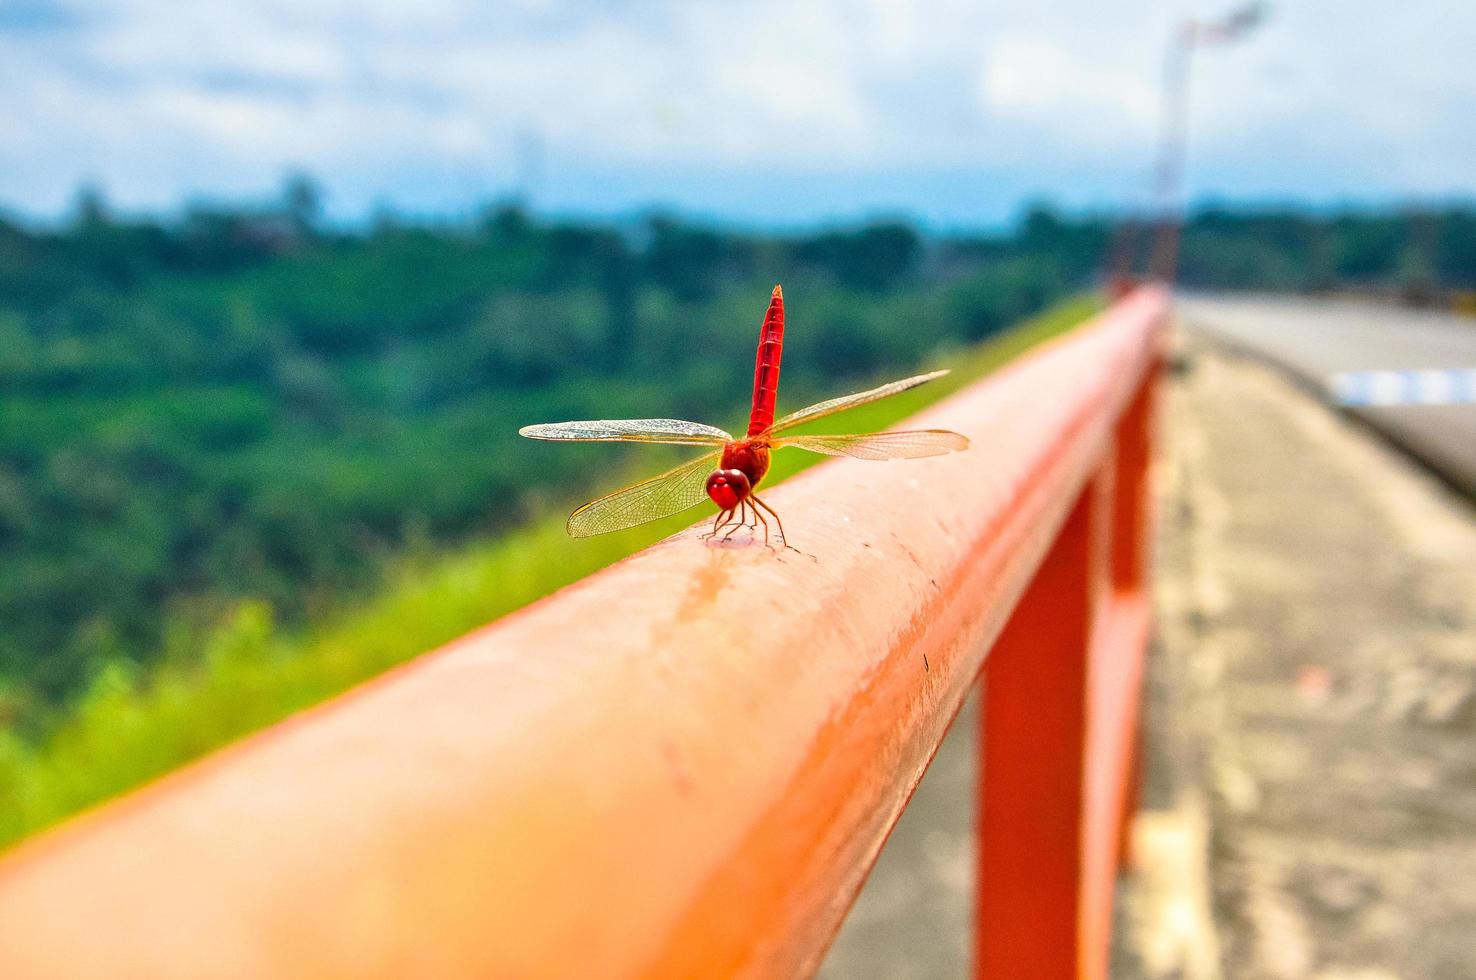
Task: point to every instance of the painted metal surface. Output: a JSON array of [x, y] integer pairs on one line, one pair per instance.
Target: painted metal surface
[[681, 766], [1058, 736]]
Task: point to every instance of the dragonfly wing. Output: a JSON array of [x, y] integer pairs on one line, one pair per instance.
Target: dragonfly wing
[[661, 496], [833, 405], [674, 431], [881, 445]]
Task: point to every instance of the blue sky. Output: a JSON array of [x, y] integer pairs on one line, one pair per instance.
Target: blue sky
[[955, 111]]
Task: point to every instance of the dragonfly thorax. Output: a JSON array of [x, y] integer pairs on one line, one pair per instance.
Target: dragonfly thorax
[[749, 456]]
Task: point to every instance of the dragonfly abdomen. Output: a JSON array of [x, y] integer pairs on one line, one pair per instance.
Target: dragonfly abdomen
[[766, 366]]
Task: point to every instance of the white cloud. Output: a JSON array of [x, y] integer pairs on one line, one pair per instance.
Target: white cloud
[[1038, 81], [157, 98]]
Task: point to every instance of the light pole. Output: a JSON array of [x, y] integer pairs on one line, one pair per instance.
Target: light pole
[[1173, 142]]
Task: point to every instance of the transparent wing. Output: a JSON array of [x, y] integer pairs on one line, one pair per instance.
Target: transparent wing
[[674, 431], [661, 496], [822, 409], [881, 445]]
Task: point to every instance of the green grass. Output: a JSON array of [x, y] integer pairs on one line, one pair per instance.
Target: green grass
[[129, 728]]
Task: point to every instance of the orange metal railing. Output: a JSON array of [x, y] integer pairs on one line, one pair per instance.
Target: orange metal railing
[[685, 765]]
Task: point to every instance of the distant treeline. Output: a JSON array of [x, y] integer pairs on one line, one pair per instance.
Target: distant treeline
[[243, 403], [1417, 255]]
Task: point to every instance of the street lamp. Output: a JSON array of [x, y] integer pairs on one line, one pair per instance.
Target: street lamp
[[1174, 137]]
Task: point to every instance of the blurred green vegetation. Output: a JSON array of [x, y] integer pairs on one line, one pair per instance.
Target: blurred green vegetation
[[1419, 255], [130, 726], [240, 405]]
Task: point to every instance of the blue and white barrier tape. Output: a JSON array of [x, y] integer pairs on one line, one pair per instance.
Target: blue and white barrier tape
[[1430, 386]]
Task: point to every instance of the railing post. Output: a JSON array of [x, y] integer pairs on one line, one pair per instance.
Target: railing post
[[1131, 505], [1132, 524], [1031, 863]]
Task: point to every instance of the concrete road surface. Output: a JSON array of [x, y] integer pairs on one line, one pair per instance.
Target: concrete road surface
[[1316, 339], [1311, 699]]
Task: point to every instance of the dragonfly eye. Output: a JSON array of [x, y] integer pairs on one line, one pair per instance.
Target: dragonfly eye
[[727, 488]]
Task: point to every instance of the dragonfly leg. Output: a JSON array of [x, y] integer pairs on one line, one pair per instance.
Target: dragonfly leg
[[760, 516], [742, 520], [717, 524], [773, 513]]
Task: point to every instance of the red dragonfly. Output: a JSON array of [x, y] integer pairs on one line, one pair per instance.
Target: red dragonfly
[[740, 463]]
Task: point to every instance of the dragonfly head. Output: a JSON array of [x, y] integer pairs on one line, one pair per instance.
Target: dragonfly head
[[728, 487]]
